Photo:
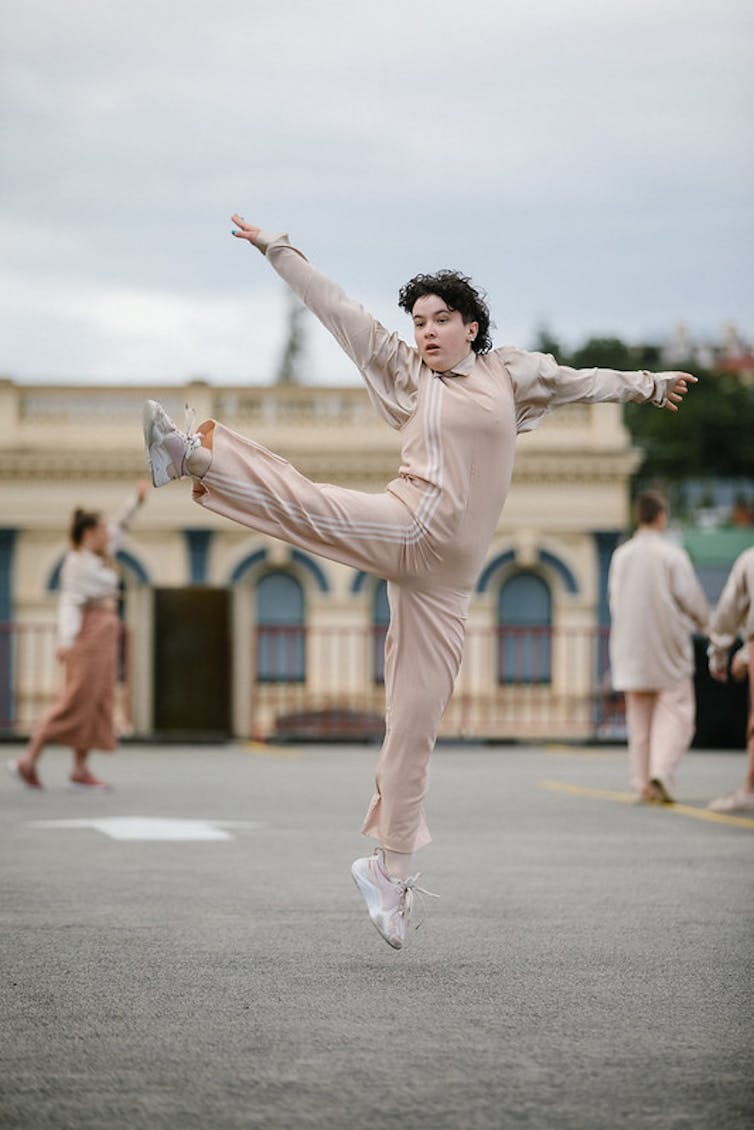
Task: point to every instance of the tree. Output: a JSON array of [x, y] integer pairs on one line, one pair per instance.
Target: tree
[[288, 369], [544, 342], [709, 438], [604, 353]]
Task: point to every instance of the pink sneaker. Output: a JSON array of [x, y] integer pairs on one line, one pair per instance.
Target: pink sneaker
[[167, 448], [389, 901]]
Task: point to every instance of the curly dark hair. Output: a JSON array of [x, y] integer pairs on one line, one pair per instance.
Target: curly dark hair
[[456, 290]]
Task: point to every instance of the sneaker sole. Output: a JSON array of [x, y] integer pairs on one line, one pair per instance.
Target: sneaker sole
[[159, 463], [372, 900]]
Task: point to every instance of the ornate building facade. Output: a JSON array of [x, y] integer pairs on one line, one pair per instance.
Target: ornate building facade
[[230, 632]]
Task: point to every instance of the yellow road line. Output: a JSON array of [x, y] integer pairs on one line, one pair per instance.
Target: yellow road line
[[261, 749], [584, 790], [629, 798], [557, 750]]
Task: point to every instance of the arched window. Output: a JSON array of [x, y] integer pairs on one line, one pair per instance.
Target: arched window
[[524, 630], [380, 621], [280, 618]]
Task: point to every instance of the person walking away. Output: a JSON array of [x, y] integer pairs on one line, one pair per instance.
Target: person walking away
[[88, 634], [733, 616], [655, 603]]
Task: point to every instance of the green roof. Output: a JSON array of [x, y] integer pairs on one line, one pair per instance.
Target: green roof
[[717, 547]]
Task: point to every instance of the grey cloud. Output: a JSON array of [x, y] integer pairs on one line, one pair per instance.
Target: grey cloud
[[588, 162]]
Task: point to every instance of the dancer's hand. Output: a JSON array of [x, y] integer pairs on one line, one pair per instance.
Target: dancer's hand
[[244, 230], [717, 662], [739, 665], [142, 488], [677, 389]]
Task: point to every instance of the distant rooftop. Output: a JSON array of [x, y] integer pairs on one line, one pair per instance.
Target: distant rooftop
[[713, 552]]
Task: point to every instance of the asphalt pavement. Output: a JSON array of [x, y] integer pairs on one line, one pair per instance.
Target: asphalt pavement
[[188, 950]]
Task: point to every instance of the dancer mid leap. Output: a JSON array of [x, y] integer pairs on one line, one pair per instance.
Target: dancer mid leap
[[458, 405]]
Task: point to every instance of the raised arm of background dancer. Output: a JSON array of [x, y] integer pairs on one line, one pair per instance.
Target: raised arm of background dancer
[[541, 384], [730, 615], [117, 529], [387, 364]]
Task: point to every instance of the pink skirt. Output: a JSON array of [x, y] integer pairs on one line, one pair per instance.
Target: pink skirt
[[82, 717]]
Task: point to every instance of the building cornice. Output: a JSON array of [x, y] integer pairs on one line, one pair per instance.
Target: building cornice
[[364, 468]]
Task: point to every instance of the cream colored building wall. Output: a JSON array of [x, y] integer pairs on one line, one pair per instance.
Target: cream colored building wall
[[68, 446]]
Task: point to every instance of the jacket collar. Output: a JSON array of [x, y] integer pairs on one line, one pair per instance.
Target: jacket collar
[[463, 368]]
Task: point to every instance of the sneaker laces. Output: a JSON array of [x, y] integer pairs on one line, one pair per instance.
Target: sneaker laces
[[191, 439], [409, 890], [189, 421]]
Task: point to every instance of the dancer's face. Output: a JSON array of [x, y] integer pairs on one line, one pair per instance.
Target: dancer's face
[[96, 537], [442, 337]]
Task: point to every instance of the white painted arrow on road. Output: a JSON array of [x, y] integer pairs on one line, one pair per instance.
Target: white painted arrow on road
[[152, 828]]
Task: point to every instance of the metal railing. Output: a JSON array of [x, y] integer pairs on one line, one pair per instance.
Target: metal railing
[[31, 677], [327, 682], [513, 683]]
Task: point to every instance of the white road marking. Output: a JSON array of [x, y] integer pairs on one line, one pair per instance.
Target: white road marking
[[152, 828]]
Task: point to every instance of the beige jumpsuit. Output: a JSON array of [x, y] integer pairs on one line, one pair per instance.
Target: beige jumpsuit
[[429, 531], [656, 602]]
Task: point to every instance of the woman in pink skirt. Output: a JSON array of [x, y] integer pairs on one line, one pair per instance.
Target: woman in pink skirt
[[88, 633]]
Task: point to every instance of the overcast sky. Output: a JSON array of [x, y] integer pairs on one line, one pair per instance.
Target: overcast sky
[[588, 162]]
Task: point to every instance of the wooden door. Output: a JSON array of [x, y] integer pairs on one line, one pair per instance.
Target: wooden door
[[192, 662]]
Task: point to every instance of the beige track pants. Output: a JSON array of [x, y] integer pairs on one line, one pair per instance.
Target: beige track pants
[[380, 534], [660, 729]]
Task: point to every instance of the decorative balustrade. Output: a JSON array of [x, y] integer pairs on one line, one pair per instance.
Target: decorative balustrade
[[32, 407]]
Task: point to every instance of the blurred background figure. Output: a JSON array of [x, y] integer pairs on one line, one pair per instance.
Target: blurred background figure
[[656, 602], [88, 636], [734, 615]]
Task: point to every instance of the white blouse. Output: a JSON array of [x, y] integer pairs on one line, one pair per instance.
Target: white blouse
[[87, 577]]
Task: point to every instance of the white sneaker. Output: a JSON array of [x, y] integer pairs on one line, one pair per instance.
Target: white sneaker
[[389, 901], [739, 801], [167, 448]]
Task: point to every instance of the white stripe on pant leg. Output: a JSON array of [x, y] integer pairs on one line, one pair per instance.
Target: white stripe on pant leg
[[409, 534], [274, 507]]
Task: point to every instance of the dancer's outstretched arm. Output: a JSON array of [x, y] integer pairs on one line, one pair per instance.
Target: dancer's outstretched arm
[[388, 365], [541, 384]]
